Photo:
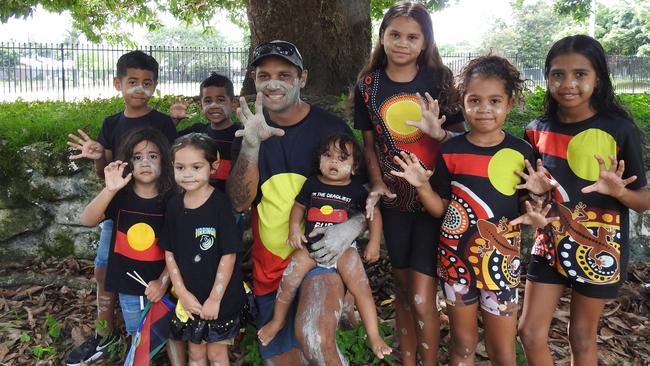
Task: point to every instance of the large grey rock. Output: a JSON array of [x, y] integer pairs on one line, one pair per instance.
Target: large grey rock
[[16, 221], [51, 189], [40, 157], [63, 240], [68, 212]]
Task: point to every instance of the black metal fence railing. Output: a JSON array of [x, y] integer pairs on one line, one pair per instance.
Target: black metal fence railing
[[39, 71]]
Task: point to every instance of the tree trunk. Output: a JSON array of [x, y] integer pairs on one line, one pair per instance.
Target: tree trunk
[[333, 37]]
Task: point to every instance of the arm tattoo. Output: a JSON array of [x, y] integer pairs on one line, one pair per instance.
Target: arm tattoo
[[237, 187]]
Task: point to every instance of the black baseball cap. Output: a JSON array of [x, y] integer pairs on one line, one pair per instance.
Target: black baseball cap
[[284, 49]]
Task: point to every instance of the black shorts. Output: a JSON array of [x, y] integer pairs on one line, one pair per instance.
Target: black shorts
[[412, 240], [540, 271], [198, 330]]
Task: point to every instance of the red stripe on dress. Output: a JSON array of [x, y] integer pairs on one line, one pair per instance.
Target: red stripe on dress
[[468, 164]]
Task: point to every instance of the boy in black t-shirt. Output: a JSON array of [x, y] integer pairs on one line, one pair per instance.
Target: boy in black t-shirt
[[136, 79], [217, 100]]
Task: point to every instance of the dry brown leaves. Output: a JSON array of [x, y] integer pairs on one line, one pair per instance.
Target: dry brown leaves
[[63, 288]]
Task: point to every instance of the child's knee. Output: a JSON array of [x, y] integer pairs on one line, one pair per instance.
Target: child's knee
[[196, 352], [464, 345]]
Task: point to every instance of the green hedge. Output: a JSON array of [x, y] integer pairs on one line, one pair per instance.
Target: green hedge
[[22, 123]]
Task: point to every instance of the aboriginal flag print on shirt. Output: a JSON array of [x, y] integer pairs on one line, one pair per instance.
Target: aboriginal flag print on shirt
[[138, 223], [589, 243], [478, 248]]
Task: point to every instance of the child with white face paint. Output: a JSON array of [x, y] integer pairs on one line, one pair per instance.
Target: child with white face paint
[[481, 206], [136, 78], [591, 147], [135, 201], [217, 100], [328, 199], [201, 243]]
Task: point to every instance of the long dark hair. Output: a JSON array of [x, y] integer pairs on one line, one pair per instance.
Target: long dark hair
[[603, 100], [429, 59], [165, 182]]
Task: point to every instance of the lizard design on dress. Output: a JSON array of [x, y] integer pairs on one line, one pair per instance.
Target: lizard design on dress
[[494, 238], [570, 223]]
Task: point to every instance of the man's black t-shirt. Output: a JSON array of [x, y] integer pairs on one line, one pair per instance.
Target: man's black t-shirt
[[199, 238], [134, 245], [116, 127], [224, 139], [327, 204]]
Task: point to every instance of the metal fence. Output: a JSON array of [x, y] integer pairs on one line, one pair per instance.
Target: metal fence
[[36, 71]]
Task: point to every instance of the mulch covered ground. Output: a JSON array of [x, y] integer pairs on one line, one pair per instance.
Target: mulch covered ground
[[62, 290]]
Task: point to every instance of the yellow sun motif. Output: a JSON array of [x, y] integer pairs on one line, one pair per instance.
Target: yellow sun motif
[[396, 111], [140, 236], [326, 210], [582, 148], [501, 170]]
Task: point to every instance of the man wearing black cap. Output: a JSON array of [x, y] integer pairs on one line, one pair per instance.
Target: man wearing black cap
[[277, 152]]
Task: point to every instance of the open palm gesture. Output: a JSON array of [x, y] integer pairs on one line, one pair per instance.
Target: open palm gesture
[[178, 109], [537, 180], [412, 170], [535, 215], [430, 123], [113, 175], [610, 181], [88, 148], [255, 129]]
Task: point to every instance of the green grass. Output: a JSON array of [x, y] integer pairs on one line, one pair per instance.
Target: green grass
[[23, 123]]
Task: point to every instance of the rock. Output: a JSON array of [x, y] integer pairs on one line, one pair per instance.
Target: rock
[[63, 240], [68, 212], [16, 221], [40, 157], [51, 189]]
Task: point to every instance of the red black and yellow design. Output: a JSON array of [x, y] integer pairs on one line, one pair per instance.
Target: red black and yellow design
[[136, 235]]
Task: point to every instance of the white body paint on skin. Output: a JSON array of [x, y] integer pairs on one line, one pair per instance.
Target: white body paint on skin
[[574, 83], [174, 353], [346, 168], [212, 105], [404, 331], [553, 87], [139, 89], [175, 270], [291, 91], [421, 324], [220, 276], [586, 88], [418, 299], [219, 289], [401, 43], [425, 346], [310, 328]]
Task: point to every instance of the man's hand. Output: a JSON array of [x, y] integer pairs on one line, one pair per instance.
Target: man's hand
[[88, 148], [336, 239], [255, 129], [113, 175], [430, 123]]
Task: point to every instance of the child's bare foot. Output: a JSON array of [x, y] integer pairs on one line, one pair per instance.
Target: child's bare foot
[[268, 332], [379, 347]]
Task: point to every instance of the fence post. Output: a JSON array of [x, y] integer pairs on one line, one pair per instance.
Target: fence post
[[63, 71], [230, 75]]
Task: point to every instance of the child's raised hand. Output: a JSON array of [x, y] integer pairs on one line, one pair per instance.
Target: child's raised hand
[[255, 129], [88, 148], [210, 309], [178, 109], [371, 252], [610, 182], [535, 215], [537, 180], [155, 291], [430, 123], [413, 171], [113, 175]]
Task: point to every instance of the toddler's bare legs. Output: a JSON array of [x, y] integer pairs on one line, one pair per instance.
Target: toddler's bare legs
[[354, 277], [292, 277]]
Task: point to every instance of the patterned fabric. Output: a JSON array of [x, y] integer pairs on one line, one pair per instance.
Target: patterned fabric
[[477, 247], [589, 243], [383, 106]]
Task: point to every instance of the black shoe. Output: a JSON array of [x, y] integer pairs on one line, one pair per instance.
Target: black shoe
[[93, 349]]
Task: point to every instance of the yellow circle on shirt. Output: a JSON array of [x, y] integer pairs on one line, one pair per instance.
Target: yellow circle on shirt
[[140, 236], [501, 170], [326, 210], [582, 148], [401, 111]]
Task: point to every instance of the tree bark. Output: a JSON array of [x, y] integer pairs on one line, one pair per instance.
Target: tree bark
[[333, 37]]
